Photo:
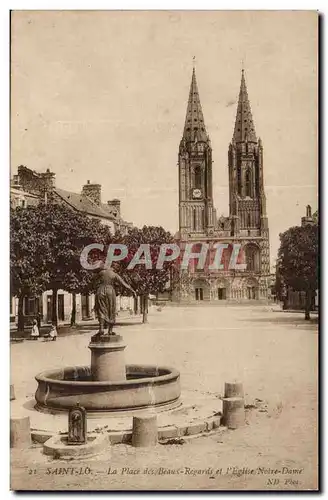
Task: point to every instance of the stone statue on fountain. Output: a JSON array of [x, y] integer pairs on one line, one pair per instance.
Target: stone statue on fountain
[[105, 301]]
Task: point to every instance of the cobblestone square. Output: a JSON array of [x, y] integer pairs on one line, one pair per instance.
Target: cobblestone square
[[273, 353]]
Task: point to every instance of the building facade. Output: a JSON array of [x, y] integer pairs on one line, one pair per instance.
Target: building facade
[[29, 188], [247, 223]]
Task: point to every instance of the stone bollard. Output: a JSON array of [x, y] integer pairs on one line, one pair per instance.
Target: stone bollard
[[233, 415], [12, 392], [20, 432], [233, 390], [144, 431]]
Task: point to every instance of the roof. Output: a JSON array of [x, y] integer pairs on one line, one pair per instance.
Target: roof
[[84, 204], [17, 193]]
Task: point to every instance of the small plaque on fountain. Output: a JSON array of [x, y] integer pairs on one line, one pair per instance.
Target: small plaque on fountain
[[77, 425]]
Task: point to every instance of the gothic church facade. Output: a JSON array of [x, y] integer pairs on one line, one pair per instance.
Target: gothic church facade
[[247, 223]]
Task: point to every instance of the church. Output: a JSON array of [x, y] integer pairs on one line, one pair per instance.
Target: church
[[247, 223]]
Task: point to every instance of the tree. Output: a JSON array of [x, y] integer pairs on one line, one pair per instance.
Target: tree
[[46, 245], [315, 217], [29, 254], [298, 261], [69, 233], [145, 281]]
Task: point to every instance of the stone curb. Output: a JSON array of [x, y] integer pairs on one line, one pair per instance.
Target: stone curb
[[191, 429], [57, 449]]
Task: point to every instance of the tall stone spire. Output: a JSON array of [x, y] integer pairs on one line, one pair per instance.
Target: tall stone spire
[[194, 129], [244, 125]]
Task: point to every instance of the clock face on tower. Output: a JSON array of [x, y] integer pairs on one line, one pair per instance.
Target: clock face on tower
[[196, 193]]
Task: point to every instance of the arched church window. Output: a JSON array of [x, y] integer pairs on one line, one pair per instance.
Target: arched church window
[[198, 177], [239, 180], [203, 219], [232, 228], [248, 185], [252, 258], [249, 220], [194, 219]]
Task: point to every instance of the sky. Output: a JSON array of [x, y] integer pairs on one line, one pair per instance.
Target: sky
[[102, 96]]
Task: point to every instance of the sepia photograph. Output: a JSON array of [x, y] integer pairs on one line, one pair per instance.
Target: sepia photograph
[[164, 255]]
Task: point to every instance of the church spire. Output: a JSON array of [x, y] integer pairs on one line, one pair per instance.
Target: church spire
[[194, 129], [244, 125]]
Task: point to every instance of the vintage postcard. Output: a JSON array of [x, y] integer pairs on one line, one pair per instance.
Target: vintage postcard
[[164, 223]]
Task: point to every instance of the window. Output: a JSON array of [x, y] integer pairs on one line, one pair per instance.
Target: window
[[239, 180], [194, 220], [248, 185], [30, 306], [252, 258], [60, 305], [232, 230], [198, 177], [257, 178]]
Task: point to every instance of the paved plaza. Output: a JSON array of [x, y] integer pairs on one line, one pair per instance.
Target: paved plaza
[[273, 353]]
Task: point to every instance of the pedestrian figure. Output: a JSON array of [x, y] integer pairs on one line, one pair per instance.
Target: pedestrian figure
[[52, 335], [35, 330]]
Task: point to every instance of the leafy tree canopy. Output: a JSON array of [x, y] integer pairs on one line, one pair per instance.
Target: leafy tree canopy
[[143, 280], [298, 257]]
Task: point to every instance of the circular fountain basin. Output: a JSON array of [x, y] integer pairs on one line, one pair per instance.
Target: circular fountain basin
[[156, 387]]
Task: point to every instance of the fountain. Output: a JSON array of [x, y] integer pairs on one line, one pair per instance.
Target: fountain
[[108, 385], [112, 393]]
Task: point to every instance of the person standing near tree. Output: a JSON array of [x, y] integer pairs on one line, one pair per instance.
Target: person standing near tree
[[53, 332], [35, 330]]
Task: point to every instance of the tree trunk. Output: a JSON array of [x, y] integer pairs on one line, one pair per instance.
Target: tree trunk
[[20, 322], [135, 305], [73, 315], [145, 309], [54, 315], [308, 297], [141, 304]]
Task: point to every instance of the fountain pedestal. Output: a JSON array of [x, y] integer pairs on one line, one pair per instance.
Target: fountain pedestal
[[107, 358]]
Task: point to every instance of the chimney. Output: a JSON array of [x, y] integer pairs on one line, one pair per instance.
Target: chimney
[[36, 182], [48, 180], [308, 210], [92, 191], [115, 205], [308, 219]]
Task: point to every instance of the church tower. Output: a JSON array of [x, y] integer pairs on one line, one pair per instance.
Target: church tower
[[246, 227], [196, 214], [247, 202]]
